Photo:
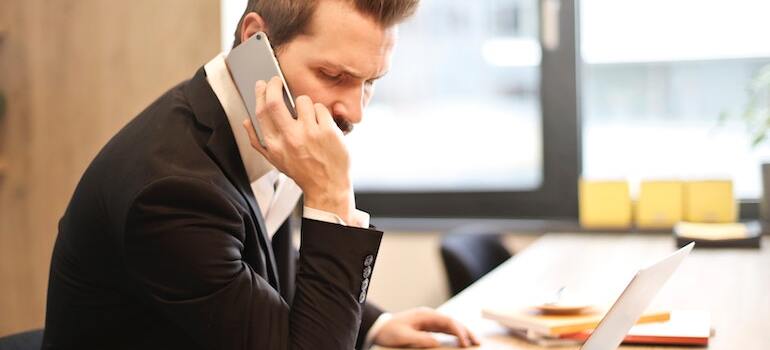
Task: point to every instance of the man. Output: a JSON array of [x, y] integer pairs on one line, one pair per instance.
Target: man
[[179, 233]]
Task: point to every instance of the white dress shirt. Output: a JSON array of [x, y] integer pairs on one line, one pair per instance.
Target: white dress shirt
[[277, 195]]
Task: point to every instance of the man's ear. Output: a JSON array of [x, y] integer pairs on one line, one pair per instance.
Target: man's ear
[[252, 23]]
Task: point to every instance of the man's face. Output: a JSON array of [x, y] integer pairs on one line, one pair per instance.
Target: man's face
[[338, 60]]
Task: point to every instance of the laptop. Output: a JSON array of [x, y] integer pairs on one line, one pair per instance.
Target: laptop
[[633, 301]]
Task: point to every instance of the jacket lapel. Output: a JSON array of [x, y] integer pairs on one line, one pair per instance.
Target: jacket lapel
[[221, 146]]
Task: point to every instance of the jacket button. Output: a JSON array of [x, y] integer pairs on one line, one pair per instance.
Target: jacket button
[[362, 297], [369, 260], [367, 271]]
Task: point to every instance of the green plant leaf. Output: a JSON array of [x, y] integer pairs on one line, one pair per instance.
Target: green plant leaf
[[762, 80], [722, 119], [756, 112], [758, 139]]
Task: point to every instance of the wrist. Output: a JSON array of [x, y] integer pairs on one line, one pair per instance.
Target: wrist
[[336, 202]]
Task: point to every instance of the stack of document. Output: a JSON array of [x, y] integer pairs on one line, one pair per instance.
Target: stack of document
[[724, 235], [682, 327]]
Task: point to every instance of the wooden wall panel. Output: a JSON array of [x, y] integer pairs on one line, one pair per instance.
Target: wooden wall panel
[[74, 72]]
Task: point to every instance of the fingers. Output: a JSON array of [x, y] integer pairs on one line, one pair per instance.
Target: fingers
[[305, 110], [419, 339], [256, 143], [325, 118], [435, 322], [260, 91], [473, 337], [275, 105]]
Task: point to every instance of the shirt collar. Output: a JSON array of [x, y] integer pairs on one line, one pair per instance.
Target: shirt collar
[[221, 82]]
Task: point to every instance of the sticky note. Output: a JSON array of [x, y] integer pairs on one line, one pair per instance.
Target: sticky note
[[710, 201], [604, 204], [660, 204]]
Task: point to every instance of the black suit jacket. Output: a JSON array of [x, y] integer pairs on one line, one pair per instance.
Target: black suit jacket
[[163, 247]]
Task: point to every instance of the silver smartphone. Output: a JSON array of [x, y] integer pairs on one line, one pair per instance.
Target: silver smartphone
[[249, 62]]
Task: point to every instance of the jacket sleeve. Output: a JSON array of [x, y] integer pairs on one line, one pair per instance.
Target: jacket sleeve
[[286, 265], [184, 248]]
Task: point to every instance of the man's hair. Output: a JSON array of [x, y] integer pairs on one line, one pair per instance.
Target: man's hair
[[285, 19]]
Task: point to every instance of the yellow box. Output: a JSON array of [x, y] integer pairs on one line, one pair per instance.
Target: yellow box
[[660, 204], [710, 201], [604, 204]]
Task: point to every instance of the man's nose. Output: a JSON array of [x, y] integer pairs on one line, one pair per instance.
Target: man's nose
[[351, 107]]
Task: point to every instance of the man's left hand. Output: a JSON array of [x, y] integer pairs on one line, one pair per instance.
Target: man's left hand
[[412, 329]]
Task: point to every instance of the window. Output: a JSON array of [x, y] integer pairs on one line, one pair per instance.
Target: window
[[657, 75], [480, 118], [460, 108], [525, 94]]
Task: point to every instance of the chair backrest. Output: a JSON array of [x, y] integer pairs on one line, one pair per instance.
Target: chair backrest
[[470, 253], [30, 340]]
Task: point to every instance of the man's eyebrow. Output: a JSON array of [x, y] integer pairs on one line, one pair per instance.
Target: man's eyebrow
[[351, 72], [379, 76]]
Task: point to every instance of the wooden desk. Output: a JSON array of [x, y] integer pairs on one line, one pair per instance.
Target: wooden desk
[[733, 284]]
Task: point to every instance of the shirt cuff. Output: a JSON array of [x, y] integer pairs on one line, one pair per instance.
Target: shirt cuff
[[360, 218], [375, 328]]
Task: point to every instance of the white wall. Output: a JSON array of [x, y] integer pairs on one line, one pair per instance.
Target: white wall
[[409, 271]]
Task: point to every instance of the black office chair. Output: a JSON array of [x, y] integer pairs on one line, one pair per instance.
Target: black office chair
[[30, 340], [470, 253]]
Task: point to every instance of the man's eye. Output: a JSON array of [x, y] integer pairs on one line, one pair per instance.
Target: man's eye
[[332, 76]]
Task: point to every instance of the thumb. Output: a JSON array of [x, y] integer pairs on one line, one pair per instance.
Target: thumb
[[420, 339]]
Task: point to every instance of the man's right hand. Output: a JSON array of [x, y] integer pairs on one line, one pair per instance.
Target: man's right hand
[[310, 149]]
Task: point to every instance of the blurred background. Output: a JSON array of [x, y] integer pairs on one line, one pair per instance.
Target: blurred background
[[492, 110]]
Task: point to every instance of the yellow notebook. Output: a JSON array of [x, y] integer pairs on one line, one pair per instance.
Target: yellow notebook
[[555, 325]]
